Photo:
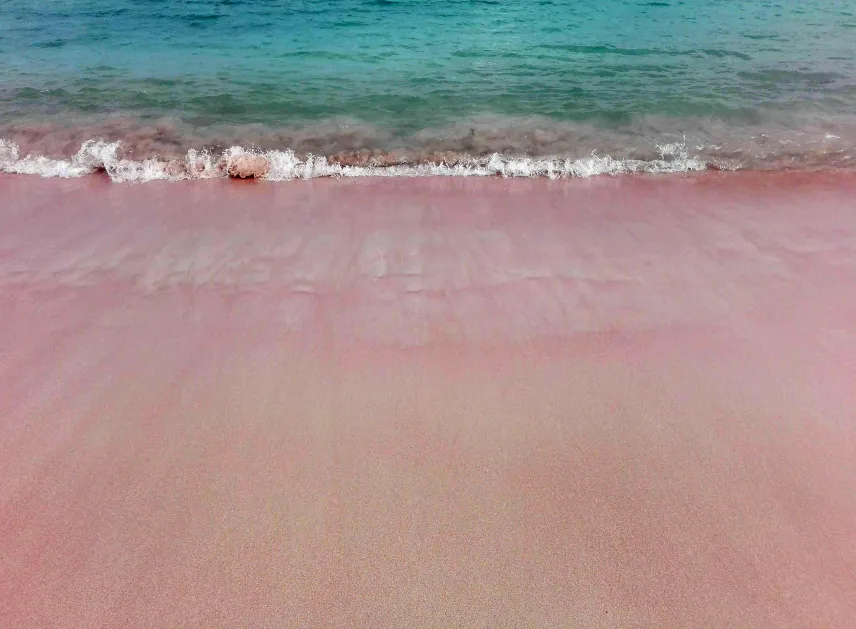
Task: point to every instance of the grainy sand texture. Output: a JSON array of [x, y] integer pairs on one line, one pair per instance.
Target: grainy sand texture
[[615, 402]]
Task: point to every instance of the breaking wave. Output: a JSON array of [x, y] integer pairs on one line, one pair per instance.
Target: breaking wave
[[98, 155], [128, 150]]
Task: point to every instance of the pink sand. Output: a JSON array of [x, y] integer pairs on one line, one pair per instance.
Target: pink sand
[[617, 402]]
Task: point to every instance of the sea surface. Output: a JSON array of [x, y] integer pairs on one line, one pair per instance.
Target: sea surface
[[176, 88]]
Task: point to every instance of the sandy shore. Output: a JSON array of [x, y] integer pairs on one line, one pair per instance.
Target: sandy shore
[[623, 402]]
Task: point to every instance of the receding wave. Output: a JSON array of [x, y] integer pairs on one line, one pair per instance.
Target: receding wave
[[130, 150]]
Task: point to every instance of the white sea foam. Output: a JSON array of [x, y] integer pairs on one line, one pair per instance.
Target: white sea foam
[[97, 155]]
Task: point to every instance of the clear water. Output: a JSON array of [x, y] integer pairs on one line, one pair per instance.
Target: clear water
[[736, 81]]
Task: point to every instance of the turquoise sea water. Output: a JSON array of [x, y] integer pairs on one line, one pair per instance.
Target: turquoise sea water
[[734, 83]]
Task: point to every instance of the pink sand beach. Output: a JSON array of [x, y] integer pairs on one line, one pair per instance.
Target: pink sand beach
[[438, 402]]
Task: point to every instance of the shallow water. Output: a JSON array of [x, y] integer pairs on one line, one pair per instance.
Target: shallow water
[[761, 84]]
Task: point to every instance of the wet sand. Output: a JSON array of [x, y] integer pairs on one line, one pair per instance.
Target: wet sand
[[615, 402]]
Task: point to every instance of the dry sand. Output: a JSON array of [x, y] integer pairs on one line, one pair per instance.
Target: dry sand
[[617, 402]]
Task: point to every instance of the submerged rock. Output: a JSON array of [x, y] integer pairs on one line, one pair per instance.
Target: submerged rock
[[248, 166]]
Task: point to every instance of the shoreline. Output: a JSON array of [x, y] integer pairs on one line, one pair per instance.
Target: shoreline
[[615, 401], [804, 152]]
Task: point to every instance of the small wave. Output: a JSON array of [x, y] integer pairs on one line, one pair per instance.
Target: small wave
[[275, 165], [129, 149]]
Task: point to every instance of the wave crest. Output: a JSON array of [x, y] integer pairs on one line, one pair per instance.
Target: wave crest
[[98, 155], [130, 149]]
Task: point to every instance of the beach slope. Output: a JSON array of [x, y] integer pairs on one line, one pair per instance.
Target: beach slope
[[613, 402]]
